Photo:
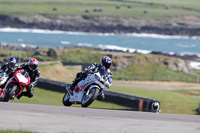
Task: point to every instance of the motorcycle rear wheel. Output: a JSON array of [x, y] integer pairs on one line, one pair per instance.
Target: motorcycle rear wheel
[[88, 99], [66, 100], [11, 91]]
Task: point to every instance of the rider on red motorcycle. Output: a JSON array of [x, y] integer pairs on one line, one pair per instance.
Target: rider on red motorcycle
[[104, 65], [9, 68], [32, 68]]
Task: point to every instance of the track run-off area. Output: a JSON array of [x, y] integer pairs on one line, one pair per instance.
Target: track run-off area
[[57, 119]]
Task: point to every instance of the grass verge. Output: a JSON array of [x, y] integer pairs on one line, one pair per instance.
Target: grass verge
[[175, 102], [156, 9], [46, 97], [12, 131]]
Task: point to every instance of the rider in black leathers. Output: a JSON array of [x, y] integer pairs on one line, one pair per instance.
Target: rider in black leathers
[[34, 73], [104, 65], [9, 68]]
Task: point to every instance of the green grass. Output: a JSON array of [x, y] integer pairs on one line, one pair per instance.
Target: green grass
[[82, 55], [176, 3], [13, 131], [144, 67], [156, 10], [5, 54], [8, 53], [153, 68], [46, 97], [152, 72], [174, 102]]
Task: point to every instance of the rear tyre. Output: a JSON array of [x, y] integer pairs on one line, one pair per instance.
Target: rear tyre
[[10, 92], [88, 99], [66, 99]]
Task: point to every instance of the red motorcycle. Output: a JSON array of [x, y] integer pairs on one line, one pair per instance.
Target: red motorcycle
[[15, 85]]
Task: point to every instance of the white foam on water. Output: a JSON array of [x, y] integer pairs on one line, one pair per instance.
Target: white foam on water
[[103, 46], [46, 31], [162, 36], [7, 29], [65, 42], [85, 44], [124, 49], [20, 40], [195, 65], [186, 46]]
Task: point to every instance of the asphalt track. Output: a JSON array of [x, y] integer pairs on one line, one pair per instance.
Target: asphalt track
[[54, 119]]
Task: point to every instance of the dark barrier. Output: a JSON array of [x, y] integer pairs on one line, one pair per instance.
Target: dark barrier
[[83, 65], [133, 102]]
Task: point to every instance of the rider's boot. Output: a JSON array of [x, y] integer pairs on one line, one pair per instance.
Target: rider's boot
[[70, 89], [2, 86], [101, 96], [19, 96]]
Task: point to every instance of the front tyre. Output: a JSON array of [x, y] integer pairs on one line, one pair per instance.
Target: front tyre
[[66, 99], [88, 99], [10, 92]]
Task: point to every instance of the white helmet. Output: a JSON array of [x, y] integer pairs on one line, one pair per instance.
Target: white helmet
[[32, 64], [155, 107]]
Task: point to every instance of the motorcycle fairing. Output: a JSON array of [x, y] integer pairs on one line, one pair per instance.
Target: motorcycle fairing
[[78, 91], [21, 80]]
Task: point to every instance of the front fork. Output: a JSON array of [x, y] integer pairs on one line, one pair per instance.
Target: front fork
[[92, 86]]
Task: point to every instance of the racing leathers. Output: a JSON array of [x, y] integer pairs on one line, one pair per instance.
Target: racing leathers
[[34, 76], [93, 69], [10, 72]]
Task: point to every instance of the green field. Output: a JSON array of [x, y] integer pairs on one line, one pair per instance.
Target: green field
[[177, 102], [46, 97], [141, 70], [174, 102], [156, 8], [13, 131]]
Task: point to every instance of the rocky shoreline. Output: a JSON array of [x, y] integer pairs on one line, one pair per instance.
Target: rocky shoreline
[[40, 50], [99, 25], [175, 62]]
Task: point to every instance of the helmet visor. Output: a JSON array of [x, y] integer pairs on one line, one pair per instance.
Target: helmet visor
[[107, 65], [11, 65], [33, 67]]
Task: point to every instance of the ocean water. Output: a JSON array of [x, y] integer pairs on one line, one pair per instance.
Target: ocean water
[[144, 43]]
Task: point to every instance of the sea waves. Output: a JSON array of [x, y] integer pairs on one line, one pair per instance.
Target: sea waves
[[132, 42], [46, 31]]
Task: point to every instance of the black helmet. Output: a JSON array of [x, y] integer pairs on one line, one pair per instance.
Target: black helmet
[[11, 62], [106, 61]]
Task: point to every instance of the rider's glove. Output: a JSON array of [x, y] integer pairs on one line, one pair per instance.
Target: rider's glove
[[111, 73], [107, 85], [32, 84]]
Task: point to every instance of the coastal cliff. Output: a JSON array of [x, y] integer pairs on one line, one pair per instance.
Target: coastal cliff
[[99, 24]]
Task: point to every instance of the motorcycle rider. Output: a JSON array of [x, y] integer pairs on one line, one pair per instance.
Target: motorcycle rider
[[103, 66], [32, 68], [9, 68]]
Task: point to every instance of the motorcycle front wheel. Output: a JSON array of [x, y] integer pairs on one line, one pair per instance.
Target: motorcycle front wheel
[[88, 99], [10, 92], [66, 99]]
